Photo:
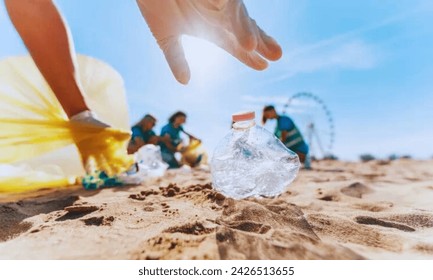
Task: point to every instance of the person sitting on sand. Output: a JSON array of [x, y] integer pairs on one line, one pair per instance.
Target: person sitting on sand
[[170, 139], [287, 132], [142, 134]]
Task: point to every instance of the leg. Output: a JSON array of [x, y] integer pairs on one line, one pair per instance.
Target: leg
[[301, 156], [170, 159], [47, 38]]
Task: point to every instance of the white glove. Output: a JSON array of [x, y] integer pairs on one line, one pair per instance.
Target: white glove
[[223, 22], [88, 117]]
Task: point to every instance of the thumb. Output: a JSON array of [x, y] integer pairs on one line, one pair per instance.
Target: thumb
[[175, 56]]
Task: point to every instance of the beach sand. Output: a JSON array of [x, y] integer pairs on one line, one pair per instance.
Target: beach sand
[[339, 210]]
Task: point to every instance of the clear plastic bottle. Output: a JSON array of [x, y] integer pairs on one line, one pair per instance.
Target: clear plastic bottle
[[251, 161]]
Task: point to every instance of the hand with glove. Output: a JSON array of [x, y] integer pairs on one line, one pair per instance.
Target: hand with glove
[[101, 148], [225, 23]]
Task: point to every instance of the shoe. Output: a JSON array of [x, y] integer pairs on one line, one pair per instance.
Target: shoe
[[99, 179]]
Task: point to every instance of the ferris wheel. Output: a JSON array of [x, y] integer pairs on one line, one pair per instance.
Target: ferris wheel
[[314, 120]]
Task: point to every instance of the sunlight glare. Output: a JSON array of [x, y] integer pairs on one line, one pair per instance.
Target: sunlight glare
[[206, 61]]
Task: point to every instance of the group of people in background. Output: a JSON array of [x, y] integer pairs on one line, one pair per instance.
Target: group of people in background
[[169, 139]]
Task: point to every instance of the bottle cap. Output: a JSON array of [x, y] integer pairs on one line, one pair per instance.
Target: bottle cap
[[243, 116]]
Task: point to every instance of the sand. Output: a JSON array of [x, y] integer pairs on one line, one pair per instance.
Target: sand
[[339, 210]]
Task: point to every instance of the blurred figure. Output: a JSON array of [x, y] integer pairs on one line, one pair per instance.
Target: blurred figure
[[194, 154], [142, 134], [171, 142], [287, 132]]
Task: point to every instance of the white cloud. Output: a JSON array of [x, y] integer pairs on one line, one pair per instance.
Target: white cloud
[[279, 101], [356, 55], [349, 55], [265, 99], [342, 51]]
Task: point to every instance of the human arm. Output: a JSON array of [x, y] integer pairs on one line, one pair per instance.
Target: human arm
[[285, 125], [46, 36], [166, 139], [191, 137], [135, 144], [283, 136], [154, 140]]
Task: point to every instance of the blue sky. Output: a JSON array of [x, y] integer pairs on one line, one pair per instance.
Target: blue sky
[[369, 61]]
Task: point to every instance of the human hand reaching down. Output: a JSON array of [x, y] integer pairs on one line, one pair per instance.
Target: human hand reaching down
[[225, 23]]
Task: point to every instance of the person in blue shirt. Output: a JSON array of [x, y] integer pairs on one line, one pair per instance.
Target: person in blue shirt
[[170, 139], [287, 132], [143, 134]]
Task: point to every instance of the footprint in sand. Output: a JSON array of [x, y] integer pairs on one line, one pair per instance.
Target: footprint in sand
[[13, 214], [356, 190], [239, 245], [365, 220], [167, 246], [168, 211], [424, 248], [199, 193], [143, 195], [77, 211], [415, 220], [197, 228], [185, 240], [347, 231], [43, 206], [329, 195], [11, 223], [271, 230], [374, 206], [270, 215], [99, 221]]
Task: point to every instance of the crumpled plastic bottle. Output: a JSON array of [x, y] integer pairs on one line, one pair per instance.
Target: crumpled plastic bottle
[[150, 160], [251, 162]]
